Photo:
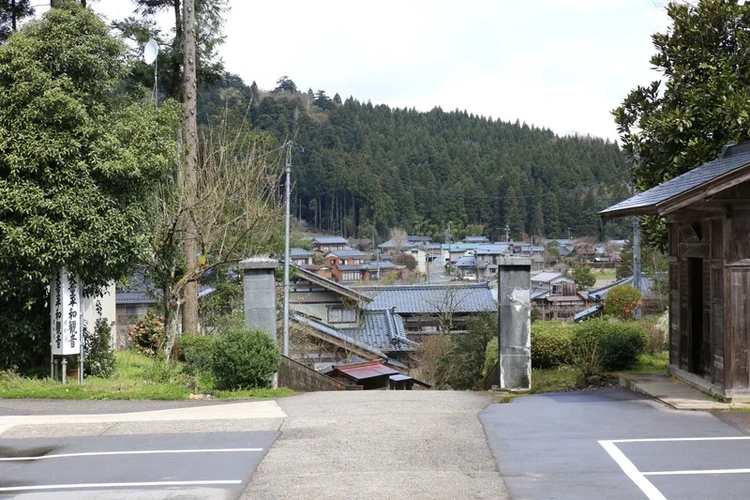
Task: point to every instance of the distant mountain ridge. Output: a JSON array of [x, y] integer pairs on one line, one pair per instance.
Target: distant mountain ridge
[[360, 169]]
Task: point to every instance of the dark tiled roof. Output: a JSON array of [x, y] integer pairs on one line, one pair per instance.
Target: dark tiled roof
[[493, 248], [645, 202], [392, 244], [338, 334], [431, 299], [383, 330], [331, 240], [299, 252], [475, 239], [346, 253]]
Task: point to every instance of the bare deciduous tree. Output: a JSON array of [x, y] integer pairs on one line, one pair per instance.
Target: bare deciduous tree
[[234, 211]]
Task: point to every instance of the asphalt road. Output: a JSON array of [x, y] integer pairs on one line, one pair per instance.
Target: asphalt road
[[185, 466], [614, 444]]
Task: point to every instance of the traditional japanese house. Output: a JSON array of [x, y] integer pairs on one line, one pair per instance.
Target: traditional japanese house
[[708, 217]]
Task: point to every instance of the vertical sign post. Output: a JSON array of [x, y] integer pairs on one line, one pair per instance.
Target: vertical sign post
[[66, 317]]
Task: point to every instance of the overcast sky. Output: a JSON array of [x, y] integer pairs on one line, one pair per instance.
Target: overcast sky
[[560, 64]]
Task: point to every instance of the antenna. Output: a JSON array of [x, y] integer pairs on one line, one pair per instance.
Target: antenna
[[150, 51]]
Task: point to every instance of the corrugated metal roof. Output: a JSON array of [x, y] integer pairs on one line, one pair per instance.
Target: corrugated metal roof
[[646, 201], [546, 277], [431, 299], [361, 371], [466, 261]]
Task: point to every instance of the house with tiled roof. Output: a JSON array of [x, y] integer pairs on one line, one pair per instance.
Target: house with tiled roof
[[300, 256], [428, 309], [325, 244], [487, 256], [332, 324]]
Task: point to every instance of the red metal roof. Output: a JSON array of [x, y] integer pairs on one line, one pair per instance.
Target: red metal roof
[[369, 369]]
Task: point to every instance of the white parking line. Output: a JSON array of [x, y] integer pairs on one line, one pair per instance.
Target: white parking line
[[696, 472], [665, 440], [127, 452], [118, 485], [651, 492]]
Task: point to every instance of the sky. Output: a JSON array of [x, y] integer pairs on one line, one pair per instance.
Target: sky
[[558, 64]]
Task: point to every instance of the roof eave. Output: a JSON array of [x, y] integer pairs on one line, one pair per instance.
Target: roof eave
[[629, 211]]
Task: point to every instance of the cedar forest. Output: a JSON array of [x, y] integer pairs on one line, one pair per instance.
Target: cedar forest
[[360, 169]]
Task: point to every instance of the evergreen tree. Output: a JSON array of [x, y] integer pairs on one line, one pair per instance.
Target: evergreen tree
[[12, 12]]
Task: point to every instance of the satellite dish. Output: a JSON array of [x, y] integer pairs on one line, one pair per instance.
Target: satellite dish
[[150, 51]]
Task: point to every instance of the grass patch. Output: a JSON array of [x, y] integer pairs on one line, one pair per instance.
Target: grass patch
[[558, 379], [605, 274], [657, 362], [565, 378], [136, 377]]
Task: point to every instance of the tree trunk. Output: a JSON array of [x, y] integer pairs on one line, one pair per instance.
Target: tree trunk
[[190, 179]]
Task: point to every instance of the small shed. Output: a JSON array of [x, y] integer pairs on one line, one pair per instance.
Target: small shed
[[708, 216], [374, 375]]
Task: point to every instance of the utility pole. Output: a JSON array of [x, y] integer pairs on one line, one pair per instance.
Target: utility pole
[[568, 232], [287, 223], [637, 259], [448, 241], [190, 177], [507, 233]]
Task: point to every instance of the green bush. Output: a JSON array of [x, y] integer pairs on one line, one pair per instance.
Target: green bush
[[148, 335], [602, 345], [550, 344], [99, 360], [490, 356], [244, 358], [621, 346], [197, 352]]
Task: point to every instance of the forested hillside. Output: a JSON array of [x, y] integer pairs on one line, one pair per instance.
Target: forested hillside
[[360, 169]]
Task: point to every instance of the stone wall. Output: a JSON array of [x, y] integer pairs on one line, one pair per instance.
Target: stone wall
[[299, 377]]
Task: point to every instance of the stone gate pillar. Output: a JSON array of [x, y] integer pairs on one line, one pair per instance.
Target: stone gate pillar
[[259, 285], [514, 323]]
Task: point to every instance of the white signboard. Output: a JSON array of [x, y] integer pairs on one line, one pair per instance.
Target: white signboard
[[65, 310]]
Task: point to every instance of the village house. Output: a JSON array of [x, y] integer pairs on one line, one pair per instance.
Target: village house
[[556, 295], [707, 211], [374, 375], [391, 247], [300, 257], [487, 257], [325, 244], [336, 316]]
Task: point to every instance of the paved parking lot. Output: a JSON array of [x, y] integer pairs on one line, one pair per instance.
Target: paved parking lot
[[195, 465], [685, 468], [614, 444]]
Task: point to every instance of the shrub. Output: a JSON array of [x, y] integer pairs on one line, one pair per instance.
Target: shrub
[[620, 347], [550, 344], [148, 335], [100, 360], [622, 301], [243, 358], [599, 345], [197, 351], [490, 356]]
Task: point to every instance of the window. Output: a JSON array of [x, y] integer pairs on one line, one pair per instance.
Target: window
[[557, 289], [131, 309], [342, 315]]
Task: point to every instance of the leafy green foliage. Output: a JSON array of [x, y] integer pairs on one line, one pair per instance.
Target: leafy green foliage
[[76, 159], [99, 359], [671, 126], [244, 358], [550, 344], [584, 276], [622, 301], [148, 335], [197, 350], [468, 353], [601, 345]]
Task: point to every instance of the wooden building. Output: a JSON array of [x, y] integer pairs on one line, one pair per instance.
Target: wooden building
[[708, 216]]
